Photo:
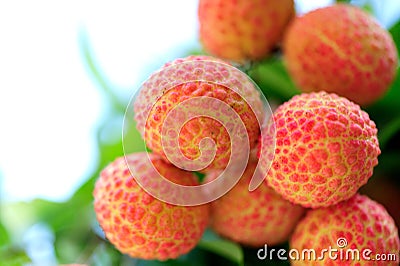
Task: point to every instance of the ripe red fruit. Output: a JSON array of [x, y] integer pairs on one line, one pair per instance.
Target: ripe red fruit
[[341, 49], [358, 223], [140, 225], [242, 30], [200, 77], [253, 218], [326, 149]]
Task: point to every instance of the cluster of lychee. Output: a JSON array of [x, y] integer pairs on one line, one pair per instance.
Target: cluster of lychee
[[325, 145]]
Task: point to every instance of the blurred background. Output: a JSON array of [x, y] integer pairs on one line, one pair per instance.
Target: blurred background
[[67, 72]]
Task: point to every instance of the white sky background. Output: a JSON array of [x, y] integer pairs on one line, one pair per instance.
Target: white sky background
[[49, 103]]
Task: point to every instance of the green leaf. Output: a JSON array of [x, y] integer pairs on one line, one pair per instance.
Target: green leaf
[[387, 109], [222, 247], [389, 163], [273, 79], [12, 256], [200, 176], [196, 257], [4, 237], [388, 132], [395, 32], [369, 9], [105, 254]]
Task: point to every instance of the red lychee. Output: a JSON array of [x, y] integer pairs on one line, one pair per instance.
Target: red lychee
[[253, 218], [359, 229], [242, 30], [326, 149], [341, 49], [140, 225], [207, 84]]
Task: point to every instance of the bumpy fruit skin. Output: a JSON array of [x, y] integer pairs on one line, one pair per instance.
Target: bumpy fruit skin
[[326, 149], [194, 58], [210, 80], [242, 30], [139, 225], [341, 49], [362, 222], [253, 218]]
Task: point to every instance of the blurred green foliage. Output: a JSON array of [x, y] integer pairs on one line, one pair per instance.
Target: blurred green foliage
[[77, 236], [395, 32]]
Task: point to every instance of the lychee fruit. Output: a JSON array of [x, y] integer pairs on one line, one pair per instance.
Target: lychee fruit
[[326, 149], [358, 231], [140, 225], [197, 78], [340, 49], [241, 30], [253, 218]]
